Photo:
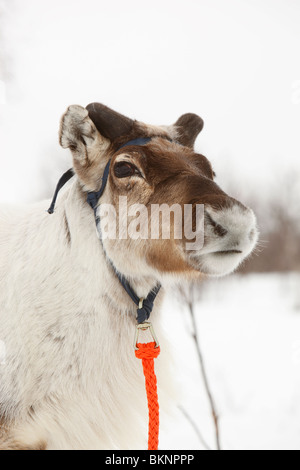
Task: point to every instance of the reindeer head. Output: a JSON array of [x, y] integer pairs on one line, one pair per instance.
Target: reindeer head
[[150, 167]]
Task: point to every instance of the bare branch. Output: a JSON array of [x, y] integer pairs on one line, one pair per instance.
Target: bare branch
[[204, 375], [188, 294], [194, 426]]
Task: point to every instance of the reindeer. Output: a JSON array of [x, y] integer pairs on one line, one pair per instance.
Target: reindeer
[[70, 379]]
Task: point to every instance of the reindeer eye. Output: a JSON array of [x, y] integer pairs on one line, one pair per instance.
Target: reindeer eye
[[125, 169]]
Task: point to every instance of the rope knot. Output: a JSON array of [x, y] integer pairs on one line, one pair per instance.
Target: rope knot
[[147, 351]]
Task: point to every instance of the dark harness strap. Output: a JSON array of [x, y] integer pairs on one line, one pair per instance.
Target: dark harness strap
[[93, 197], [139, 141], [63, 180], [145, 306]]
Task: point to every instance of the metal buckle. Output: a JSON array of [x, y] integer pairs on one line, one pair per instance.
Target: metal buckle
[[145, 326]]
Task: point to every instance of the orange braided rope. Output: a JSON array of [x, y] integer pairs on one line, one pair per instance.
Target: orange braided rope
[[148, 352]]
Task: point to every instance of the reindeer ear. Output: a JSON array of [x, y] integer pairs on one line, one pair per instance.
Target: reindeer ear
[[109, 123], [188, 127]]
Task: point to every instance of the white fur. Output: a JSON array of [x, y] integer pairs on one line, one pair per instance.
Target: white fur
[[68, 328]]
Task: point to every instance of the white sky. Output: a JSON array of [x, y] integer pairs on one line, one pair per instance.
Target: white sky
[[236, 63]]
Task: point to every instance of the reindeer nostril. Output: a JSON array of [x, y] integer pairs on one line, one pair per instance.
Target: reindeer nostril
[[218, 229]]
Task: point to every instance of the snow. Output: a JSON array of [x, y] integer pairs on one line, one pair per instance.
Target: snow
[[249, 328]]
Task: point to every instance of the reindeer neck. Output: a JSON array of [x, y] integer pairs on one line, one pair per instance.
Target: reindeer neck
[[127, 293]]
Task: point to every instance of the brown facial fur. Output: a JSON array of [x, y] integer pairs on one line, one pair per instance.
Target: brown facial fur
[[168, 172], [172, 174]]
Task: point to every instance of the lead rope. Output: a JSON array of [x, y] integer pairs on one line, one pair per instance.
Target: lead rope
[[147, 352]]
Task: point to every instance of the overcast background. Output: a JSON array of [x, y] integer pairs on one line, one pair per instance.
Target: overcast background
[[235, 63]]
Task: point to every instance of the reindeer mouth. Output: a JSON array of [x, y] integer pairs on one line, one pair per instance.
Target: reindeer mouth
[[227, 252], [217, 263]]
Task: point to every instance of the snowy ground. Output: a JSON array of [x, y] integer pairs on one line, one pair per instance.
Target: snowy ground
[[249, 329]]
